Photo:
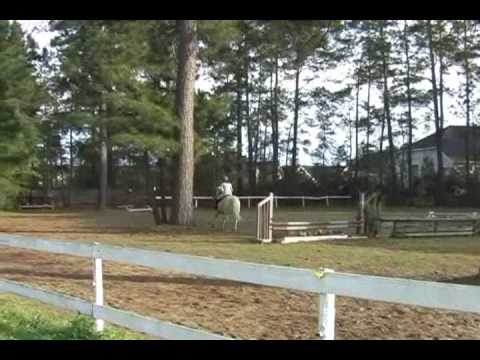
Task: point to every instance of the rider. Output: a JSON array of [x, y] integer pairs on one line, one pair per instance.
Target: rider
[[224, 190]]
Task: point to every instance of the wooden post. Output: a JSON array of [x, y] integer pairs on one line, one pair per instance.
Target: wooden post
[[276, 203], [196, 203], [248, 199], [326, 316], [327, 202], [303, 202], [98, 284]]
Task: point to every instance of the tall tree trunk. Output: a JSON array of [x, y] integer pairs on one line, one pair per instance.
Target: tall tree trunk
[[187, 55], [250, 135], [239, 136], [386, 98], [357, 125], [70, 180], [150, 193], [258, 127], [438, 128], [295, 125], [103, 186], [440, 91], [382, 137], [264, 146], [409, 120], [161, 189], [287, 150], [275, 134], [369, 86], [350, 137], [467, 104], [111, 163]]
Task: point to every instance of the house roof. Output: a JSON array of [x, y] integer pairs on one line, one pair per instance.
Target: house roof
[[453, 141]]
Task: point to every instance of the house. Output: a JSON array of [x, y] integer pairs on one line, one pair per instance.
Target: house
[[424, 155]]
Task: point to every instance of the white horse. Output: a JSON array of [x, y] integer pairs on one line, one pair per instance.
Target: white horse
[[228, 206]]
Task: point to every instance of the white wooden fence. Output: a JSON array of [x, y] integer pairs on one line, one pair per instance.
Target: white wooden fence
[[324, 282], [303, 199]]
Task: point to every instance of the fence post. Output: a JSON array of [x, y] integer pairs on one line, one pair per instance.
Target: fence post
[[98, 284], [326, 200], [248, 200], [270, 217], [196, 203], [276, 203], [326, 316], [303, 201]]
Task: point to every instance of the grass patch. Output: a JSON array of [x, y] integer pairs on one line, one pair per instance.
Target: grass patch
[[22, 319]]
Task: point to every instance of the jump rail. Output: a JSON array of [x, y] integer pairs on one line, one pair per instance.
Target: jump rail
[[266, 226], [325, 282]]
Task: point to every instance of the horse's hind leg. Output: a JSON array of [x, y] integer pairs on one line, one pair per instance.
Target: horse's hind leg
[[214, 221]]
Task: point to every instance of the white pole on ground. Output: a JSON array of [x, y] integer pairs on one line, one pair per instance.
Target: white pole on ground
[[98, 284], [326, 316]]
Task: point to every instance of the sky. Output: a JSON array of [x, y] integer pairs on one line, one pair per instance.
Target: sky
[[39, 31]]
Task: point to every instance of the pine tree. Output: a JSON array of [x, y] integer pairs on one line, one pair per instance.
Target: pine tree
[[20, 97], [182, 213], [467, 50]]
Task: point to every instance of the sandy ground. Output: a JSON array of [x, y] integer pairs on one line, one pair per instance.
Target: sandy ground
[[229, 308]]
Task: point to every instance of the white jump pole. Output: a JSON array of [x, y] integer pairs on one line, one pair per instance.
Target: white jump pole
[[98, 284], [326, 316]]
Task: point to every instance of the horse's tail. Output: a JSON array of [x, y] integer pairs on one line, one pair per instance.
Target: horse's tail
[[236, 208]]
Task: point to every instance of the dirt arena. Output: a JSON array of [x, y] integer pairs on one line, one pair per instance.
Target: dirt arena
[[236, 309]]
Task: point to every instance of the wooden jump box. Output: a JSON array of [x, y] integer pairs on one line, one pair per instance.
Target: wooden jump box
[[432, 227]]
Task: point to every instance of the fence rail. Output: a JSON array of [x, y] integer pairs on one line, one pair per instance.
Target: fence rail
[[249, 198], [328, 284]]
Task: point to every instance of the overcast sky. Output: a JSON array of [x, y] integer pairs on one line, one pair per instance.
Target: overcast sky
[[43, 37]]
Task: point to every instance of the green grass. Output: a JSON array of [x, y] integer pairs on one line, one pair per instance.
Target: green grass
[[22, 319]]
